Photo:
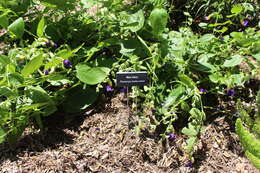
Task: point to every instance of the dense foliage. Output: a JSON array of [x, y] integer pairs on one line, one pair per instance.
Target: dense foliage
[[58, 55]]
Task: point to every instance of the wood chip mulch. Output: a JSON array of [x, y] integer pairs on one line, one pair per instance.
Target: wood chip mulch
[[104, 141]]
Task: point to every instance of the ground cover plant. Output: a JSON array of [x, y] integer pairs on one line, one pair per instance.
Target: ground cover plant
[[200, 56]]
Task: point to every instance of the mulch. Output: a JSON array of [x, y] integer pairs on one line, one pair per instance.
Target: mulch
[[104, 140]]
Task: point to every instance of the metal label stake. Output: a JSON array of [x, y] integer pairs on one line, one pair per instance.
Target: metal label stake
[[128, 79]]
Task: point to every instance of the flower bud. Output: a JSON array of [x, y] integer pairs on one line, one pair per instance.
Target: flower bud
[[67, 63]]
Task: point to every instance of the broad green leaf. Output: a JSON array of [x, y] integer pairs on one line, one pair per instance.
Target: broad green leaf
[[236, 9], [237, 35], [41, 27], [77, 99], [91, 75], [4, 21], [135, 21], [235, 60], [205, 65], [158, 20], [215, 77], [17, 27], [33, 65], [206, 38], [39, 95], [58, 79]]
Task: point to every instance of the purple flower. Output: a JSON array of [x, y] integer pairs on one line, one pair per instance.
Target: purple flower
[[48, 44], [245, 23], [231, 92], [172, 137], [67, 63], [109, 89], [203, 90], [189, 164], [46, 72], [55, 45], [122, 90]]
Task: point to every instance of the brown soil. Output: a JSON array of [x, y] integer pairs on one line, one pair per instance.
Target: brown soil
[[104, 141]]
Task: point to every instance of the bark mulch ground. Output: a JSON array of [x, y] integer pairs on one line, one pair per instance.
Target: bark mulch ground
[[104, 141]]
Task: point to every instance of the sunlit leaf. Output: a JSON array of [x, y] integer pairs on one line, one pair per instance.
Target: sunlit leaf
[[235, 60], [17, 27]]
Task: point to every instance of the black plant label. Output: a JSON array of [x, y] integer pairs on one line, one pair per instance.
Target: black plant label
[[132, 78]]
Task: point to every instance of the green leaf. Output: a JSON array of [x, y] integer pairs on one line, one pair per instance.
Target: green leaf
[[187, 81], [134, 22], [4, 60], [206, 38], [248, 7], [5, 91], [15, 79], [235, 60], [236, 9], [66, 53], [2, 135], [257, 56], [237, 35], [41, 27], [60, 4], [58, 79], [158, 20], [78, 99], [17, 28], [185, 107], [253, 159], [91, 75], [175, 96], [203, 25], [4, 21], [190, 144], [247, 139], [215, 77], [197, 114], [33, 65], [222, 30], [39, 95], [54, 62], [191, 131]]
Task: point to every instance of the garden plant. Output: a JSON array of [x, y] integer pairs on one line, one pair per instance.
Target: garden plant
[[61, 56]]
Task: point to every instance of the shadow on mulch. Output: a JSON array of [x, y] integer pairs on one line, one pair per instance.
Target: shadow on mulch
[[55, 133]]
